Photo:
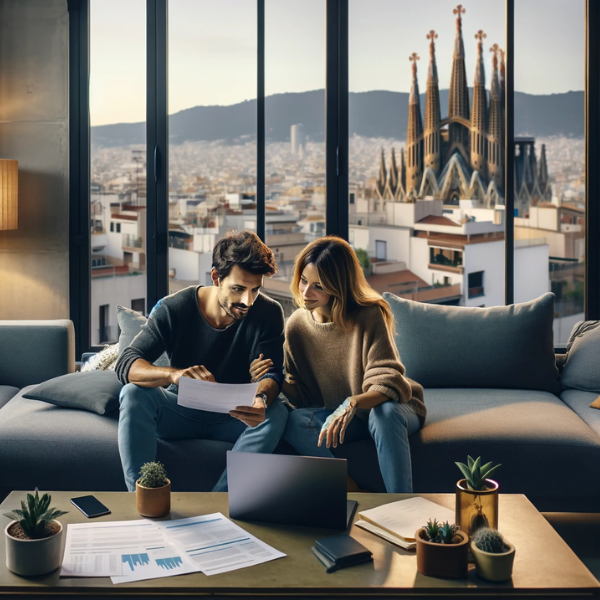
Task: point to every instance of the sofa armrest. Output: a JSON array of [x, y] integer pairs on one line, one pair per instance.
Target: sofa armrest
[[35, 351]]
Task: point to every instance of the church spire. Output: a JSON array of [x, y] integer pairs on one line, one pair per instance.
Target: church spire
[[502, 76], [458, 94], [495, 126], [414, 134], [431, 137], [543, 172], [393, 178], [479, 113], [381, 180]]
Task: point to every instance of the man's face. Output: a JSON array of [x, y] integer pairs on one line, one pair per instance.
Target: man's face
[[237, 292]]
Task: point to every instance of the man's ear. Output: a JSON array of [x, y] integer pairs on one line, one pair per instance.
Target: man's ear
[[214, 277]]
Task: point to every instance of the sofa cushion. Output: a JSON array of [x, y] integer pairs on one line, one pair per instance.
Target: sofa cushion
[[96, 391], [131, 323], [579, 402], [582, 368], [56, 448], [6, 393], [545, 449], [498, 347]]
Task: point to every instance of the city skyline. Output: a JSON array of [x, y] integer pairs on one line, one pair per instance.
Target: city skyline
[[224, 34]]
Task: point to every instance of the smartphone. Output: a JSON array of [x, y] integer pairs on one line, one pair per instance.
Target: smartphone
[[90, 506]]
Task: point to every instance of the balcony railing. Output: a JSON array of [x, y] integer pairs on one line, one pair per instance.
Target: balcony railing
[[474, 292], [131, 241], [431, 294]]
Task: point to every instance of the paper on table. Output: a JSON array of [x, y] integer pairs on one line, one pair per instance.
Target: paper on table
[[216, 545], [215, 397], [394, 539], [404, 517]]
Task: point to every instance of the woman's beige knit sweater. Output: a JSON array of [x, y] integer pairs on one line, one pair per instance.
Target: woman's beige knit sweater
[[325, 364]]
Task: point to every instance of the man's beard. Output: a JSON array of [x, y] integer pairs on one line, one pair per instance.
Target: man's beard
[[230, 308]]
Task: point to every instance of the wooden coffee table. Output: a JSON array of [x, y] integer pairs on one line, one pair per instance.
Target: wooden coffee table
[[544, 565]]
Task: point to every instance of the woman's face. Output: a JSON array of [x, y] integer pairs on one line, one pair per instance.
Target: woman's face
[[310, 288]]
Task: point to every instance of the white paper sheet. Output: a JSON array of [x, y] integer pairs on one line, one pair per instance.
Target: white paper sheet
[[216, 545], [404, 517], [398, 541], [215, 397], [124, 550]]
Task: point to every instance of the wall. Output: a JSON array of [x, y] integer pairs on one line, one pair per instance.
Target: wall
[[489, 258], [34, 112], [531, 272]]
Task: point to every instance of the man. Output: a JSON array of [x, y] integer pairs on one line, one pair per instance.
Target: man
[[212, 334]]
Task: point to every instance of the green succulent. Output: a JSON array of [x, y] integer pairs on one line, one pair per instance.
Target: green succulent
[[475, 474], [447, 533], [490, 540], [153, 475], [35, 515], [432, 530]]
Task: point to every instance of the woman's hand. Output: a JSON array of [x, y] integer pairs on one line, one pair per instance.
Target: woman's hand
[[336, 423], [259, 367]]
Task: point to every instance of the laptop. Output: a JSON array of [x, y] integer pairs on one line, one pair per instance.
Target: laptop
[[290, 490]]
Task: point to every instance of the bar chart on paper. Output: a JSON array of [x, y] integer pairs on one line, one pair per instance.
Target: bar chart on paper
[[169, 563], [134, 560]]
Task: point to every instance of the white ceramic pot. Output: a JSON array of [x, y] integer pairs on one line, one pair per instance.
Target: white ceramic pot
[[34, 557], [494, 567]]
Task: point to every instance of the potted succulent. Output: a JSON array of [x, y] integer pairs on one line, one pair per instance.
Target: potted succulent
[[34, 537], [442, 550], [494, 556], [476, 496], [153, 491]]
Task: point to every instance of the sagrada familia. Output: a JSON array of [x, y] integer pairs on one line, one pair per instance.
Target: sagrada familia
[[462, 155]]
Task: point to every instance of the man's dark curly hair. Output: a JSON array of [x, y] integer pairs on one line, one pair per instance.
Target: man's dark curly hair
[[246, 250]]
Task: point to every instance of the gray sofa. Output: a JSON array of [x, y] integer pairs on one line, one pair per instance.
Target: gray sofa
[[548, 444]]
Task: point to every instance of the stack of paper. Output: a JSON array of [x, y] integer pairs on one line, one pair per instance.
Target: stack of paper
[[135, 550], [397, 522]]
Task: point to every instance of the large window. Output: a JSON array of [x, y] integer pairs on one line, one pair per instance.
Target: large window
[[550, 160], [429, 95], [118, 162], [426, 147], [212, 131]]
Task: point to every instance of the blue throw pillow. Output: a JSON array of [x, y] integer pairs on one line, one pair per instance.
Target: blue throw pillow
[[498, 347]]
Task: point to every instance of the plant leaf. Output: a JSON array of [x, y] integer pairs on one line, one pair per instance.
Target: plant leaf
[[470, 462], [464, 470], [476, 472], [490, 471]]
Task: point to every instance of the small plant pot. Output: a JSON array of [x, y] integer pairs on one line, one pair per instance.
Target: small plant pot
[[153, 502], [476, 508], [34, 557], [442, 560], [494, 567]]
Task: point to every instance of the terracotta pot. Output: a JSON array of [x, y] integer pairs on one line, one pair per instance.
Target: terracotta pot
[[494, 567], [34, 557], [153, 502], [442, 560], [476, 508]]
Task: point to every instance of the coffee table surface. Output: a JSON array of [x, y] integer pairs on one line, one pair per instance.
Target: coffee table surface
[[543, 560]]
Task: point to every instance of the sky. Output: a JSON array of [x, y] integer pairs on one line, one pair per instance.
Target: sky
[[212, 48]]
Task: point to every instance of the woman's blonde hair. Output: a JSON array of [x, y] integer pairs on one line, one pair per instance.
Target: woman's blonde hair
[[342, 277]]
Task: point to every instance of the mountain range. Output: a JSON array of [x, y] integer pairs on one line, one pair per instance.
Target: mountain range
[[371, 114]]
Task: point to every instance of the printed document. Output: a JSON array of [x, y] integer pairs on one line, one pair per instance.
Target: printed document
[[216, 545], [404, 517], [215, 397], [124, 550]]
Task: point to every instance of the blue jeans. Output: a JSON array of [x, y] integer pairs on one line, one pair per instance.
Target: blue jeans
[[150, 413], [389, 424]]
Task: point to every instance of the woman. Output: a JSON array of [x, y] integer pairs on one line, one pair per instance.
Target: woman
[[343, 372]]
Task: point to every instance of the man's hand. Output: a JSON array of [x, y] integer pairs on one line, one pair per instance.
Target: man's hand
[[259, 367], [197, 372], [251, 415]]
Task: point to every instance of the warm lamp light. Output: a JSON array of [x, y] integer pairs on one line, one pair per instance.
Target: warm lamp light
[[9, 187]]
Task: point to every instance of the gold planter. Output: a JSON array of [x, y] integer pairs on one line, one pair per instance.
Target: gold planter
[[153, 502], [476, 508]]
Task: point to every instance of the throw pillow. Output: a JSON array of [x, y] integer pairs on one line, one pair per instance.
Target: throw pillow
[[96, 391], [497, 347], [131, 323], [105, 360], [595, 403], [582, 368]]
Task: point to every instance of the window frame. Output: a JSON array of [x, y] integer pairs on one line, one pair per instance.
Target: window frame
[[337, 142]]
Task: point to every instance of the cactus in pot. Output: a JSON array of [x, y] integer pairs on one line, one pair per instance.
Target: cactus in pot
[[442, 550], [34, 537], [494, 556], [153, 491]]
